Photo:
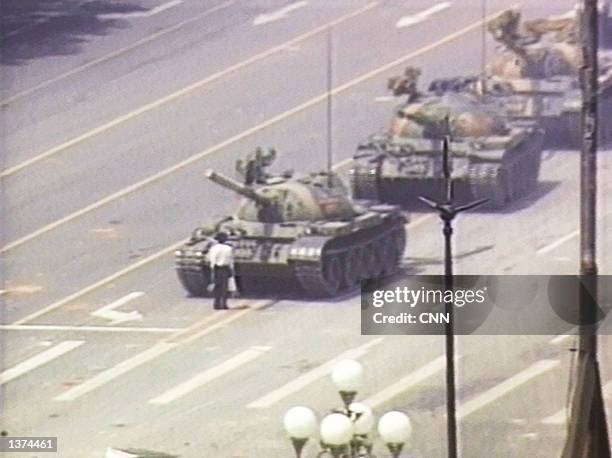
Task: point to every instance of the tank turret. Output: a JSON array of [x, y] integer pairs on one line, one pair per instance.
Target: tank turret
[[544, 49], [304, 230], [238, 188], [538, 71], [492, 158], [430, 117]]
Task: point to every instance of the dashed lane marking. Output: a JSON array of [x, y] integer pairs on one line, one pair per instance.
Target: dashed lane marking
[[417, 18], [110, 374], [557, 243], [407, 382], [162, 347], [138, 14], [306, 379], [505, 387], [279, 14], [209, 375], [39, 360], [560, 339]]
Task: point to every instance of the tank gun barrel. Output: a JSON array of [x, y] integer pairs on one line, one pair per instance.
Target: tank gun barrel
[[236, 187]]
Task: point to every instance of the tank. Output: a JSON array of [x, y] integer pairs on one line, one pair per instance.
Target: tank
[[490, 157], [305, 230], [543, 48], [535, 76]]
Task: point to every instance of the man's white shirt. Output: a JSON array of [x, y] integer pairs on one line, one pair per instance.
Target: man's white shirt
[[221, 254]]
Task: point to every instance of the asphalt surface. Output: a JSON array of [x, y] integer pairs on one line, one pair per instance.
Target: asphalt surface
[[111, 113]]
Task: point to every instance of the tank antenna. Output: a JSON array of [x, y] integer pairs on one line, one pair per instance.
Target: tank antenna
[[483, 46], [330, 158], [447, 211]]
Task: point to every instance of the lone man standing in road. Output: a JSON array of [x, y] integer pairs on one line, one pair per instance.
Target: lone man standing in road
[[221, 259]]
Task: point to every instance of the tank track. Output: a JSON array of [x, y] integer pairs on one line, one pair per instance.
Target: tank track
[[195, 281], [510, 179], [486, 182], [380, 249]]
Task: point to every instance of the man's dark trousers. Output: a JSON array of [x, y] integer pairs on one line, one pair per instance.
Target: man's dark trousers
[[221, 276]]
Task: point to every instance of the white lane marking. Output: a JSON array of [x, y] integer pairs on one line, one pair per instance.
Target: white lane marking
[[419, 221], [242, 309], [560, 241], [39, 360], [52, 327], [505, 387], [385, 98], [115, 53], [407, 21], [560, 417], [100, 283], [116, 371], [3, 292], [181, 337], [209, 375], [174, 246], [560, 339], [306, 379], [108, 312], [278, 14], [407, 382], [181, 92], [152, 12]]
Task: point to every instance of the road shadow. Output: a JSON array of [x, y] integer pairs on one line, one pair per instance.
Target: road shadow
[[543, 188], [418, 263], [283, 289], [33, 29]]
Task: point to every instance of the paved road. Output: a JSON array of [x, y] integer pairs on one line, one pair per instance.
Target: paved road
[[107, 140]]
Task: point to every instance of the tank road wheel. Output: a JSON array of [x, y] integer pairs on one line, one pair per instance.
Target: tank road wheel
[[352, 267], [500, 192], [332, 275], [399, 237], [520, 177], [390, 256], [194, 282], [372, 260]]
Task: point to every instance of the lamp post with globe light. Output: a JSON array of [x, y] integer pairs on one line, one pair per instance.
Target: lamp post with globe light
[[346, 432]]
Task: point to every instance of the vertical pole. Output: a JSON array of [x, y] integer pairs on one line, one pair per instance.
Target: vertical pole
[[587, 433], [451, 415], [483, 39], [330, 158], [449, 306]]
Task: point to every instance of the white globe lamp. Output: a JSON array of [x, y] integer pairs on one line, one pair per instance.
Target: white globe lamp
[[300, 425]]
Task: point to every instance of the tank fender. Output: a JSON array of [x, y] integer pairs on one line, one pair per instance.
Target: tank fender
[[307, 248]]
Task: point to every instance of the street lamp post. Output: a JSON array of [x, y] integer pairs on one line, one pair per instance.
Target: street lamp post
[[447, 211], [346, 432]]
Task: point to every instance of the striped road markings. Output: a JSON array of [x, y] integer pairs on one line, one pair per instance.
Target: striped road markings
[[39, 360]]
